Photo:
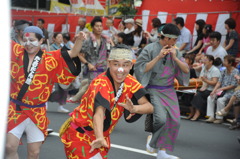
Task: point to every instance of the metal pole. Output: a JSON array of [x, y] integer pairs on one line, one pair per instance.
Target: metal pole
[[37, 4], [109, 3]]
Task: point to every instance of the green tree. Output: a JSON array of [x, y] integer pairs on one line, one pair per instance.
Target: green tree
[[127, 8]]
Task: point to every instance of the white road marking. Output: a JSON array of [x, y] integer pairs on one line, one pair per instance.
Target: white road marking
[[119, 147]]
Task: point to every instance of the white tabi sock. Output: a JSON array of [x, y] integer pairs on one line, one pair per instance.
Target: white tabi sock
[[162, 154]]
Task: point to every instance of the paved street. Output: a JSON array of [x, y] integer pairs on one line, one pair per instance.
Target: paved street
[[196, 140]]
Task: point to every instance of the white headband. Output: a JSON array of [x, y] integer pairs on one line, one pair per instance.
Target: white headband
[[169, 35]]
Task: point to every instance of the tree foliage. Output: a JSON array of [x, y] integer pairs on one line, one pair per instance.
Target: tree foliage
[[127, 8]]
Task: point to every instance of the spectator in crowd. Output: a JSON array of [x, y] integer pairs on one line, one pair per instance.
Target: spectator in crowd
[[199, 24], [40, 24], [129, 23], [209, 76], [111, 30], [12, 29], [57, 41], [216, 50], [207, 29], [234, 100], [236, 125], [187, 97], [82, 25], [121, 38], [67, 42], [59, 94], [231, 42], [223, 90], [138, 35], [19, 27], [94, 55], [153, 35], [121, 26], [184, 40]]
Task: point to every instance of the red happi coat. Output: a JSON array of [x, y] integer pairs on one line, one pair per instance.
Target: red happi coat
[[52, 68], [100, 93]]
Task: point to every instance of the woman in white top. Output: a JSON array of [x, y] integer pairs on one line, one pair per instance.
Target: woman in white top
[[209, 75], [138, 36]]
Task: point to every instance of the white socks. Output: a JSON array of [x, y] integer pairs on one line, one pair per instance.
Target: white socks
[[162, 154], [149, 149]]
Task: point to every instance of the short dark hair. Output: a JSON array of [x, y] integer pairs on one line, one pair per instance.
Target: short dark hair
[[230, 59], [156, 22], [66, 36], [170, 29], [216, 35], [21, 22], [95, 20], [190, 57], [56, 34], [217, 61], [41, 20], [179, 20], [121, 35], [210, 58], [231, 23]]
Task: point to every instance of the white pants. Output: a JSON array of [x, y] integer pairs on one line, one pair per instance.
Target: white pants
[[211, 106], [34, 134]]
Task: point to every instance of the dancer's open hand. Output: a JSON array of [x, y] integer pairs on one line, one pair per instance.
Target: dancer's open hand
[[99, 142]]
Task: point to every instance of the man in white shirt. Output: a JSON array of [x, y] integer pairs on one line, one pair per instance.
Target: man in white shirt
[[111, 31], [184, 40], [82, 23], [216, 50]]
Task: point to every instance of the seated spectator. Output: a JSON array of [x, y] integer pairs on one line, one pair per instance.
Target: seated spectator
[[120, 38], [129, 23], [187, 97], [67, 42], [234, 100], [199, 24], [184, 40], [82, 25], [121, 26], [236, 125], [138, 36], [223, 90], [216, 50], [207, 29], [209, 76], [111, 30], [231, 42], [153, 35], [58, 41]]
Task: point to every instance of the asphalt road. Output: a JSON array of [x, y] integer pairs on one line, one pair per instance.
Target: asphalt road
[[196, 140]]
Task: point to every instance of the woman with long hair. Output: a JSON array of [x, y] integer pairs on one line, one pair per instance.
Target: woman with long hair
[[199, 24]]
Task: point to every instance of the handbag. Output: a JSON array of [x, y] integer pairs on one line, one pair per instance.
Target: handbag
[[149, 123], [221, 94]]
